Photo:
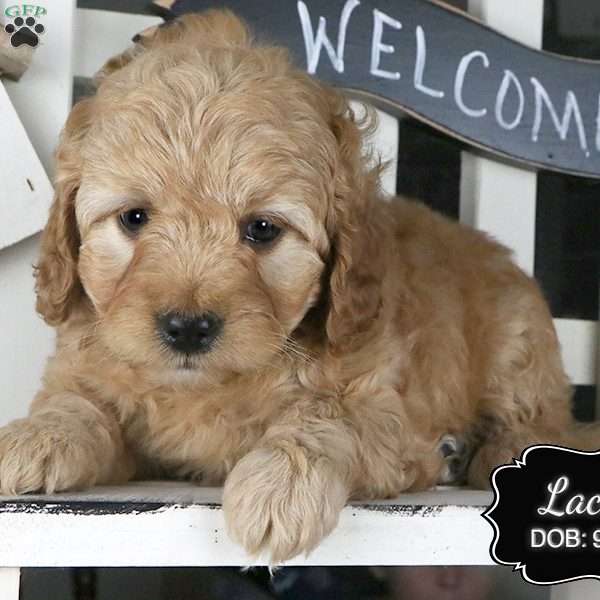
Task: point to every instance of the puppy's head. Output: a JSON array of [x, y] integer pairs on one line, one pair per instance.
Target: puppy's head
[[206, 198]]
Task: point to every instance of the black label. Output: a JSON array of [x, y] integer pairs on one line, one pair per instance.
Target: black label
[[546, 515]]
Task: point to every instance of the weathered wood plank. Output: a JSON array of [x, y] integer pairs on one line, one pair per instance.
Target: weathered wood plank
[[183, 525], [26, 192], [9, 583], [13, 61], [579, 342]]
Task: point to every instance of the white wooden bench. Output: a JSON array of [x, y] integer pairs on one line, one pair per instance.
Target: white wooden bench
[[182, 525], [177, 524]]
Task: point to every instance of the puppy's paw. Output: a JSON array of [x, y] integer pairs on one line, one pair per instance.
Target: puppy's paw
[[279, 503], [46, 454]]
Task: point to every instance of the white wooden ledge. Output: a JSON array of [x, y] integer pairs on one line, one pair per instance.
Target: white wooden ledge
[[178, 524]]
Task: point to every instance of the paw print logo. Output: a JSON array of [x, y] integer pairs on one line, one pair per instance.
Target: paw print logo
[[24, 31]]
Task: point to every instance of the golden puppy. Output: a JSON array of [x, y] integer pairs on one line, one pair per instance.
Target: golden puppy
[[234, 303]]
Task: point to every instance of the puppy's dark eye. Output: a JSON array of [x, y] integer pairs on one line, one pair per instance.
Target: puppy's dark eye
[[133, 220], [261, 231]]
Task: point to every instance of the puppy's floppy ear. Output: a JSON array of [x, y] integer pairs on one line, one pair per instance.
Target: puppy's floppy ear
[[220, 28], [57, 282], [357, 259]]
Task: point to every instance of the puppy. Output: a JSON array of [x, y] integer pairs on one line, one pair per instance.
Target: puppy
[[235, 304]]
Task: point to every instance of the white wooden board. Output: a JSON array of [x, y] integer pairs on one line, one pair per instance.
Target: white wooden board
[[26, 341], [9, 584], [499, 198], [25, 191], [102, 34], [183, 525], [42, 97]]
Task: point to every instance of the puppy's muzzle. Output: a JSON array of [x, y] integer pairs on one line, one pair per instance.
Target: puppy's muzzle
[[189, 334]]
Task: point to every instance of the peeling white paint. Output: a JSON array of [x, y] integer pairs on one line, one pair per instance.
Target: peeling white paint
[[182, 525]]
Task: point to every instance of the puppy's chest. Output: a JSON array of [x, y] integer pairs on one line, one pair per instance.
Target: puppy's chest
[[198, 435]]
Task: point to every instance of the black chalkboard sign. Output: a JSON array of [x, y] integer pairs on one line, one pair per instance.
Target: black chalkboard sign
[[441, 66]]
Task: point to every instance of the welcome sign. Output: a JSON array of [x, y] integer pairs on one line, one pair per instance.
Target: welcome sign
[[442, 67]]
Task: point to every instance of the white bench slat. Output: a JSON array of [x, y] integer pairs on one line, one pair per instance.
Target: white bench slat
[[101, 34], [496, 197], [9, 583], [26, 340], [42, 97], [500, 199], [579, 344], [23, 210], [182, 525]]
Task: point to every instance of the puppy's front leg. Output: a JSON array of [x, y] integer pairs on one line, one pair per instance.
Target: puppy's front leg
[[284, 496], [66, 443]]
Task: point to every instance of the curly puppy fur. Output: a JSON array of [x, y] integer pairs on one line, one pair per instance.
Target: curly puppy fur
[[351, 345]]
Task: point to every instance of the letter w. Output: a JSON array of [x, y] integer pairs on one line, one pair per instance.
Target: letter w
[[314, 44]]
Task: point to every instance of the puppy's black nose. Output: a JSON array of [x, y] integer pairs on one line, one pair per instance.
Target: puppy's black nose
[[189, 334]]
